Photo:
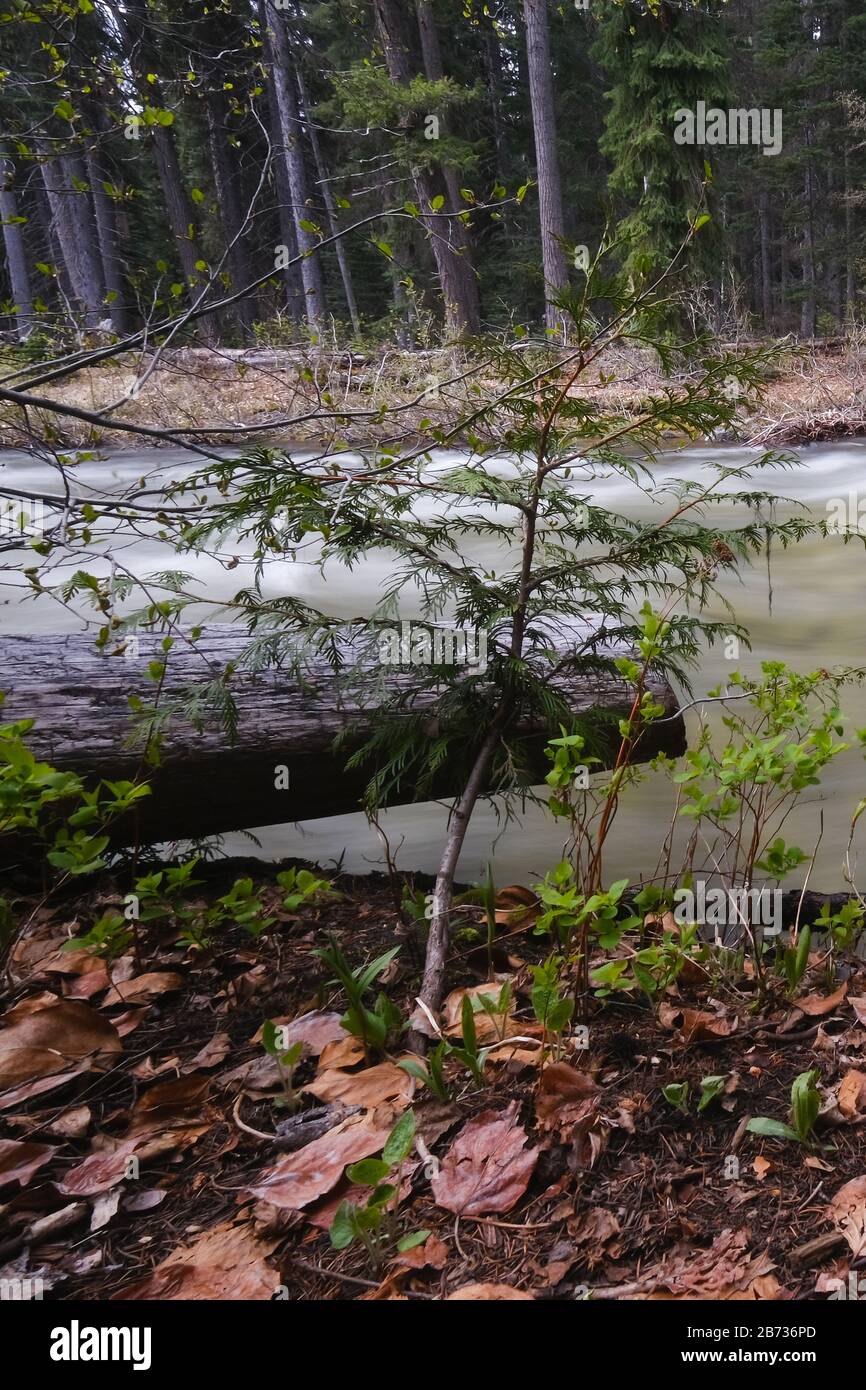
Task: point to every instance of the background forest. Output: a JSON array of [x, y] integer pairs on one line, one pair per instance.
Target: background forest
[[159, 154]]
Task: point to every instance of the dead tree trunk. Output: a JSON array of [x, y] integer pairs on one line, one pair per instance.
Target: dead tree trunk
[[79, 699]]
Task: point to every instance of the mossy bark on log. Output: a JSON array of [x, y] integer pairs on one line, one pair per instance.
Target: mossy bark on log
[[205, 783]]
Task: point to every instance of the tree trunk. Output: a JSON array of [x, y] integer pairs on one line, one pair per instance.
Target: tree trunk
[[273, 21], [457, 231], [330, 209], [292, 272], [546, 158], [766, 262], [232, 215], [808, 309], [109, 243], [79, 698], [850, 273], [72, 216], [16, 252], [459, 316]]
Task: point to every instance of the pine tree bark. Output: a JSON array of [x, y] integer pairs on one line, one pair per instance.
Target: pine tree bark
[[273, 22], [550, 210], [330, 209], [16, 252], [457, 231], [808, 312], [109, 243], [766, 262], [459, 316], [74, 224]]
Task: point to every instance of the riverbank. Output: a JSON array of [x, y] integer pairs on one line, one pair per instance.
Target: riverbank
[[391, 398]]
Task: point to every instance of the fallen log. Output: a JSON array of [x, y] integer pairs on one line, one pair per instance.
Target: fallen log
[[205, 784]]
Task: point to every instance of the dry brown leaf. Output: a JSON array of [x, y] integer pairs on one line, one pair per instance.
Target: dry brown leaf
[[374, 1086], [816, 1005], [562, 1092], [297, 1179], [227, 1262], [433, 1254], [211, 1054], [170, 1104], [858, 1004], [85, 986], [489, 1293], [567, 1105], [516, 907], [20, 1159], [852, 1093], [847, 1211], [143, 988], [488, 1167], [486, 1028], [99, 1172], [316, 1029], [19, 1094], [695, 1025], [44, 1043], [342, 1054]]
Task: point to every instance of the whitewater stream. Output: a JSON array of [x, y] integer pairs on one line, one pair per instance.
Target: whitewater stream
[[817, 619]]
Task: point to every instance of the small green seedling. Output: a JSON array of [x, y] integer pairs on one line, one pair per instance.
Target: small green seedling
[[469, 1054], [109, 937], [551, 1007], [287, 1056], [496, 1007], [375, 1224], [373, 1026], [677, 1095], [711, 1087], [433, 1075], [796, 958], [301, 888], [805, 1104]]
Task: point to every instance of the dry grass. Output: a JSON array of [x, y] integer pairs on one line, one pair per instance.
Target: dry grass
[[288, 395]]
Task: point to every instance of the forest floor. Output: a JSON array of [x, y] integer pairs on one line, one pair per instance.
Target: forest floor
[[128, 1091], [818, 392]]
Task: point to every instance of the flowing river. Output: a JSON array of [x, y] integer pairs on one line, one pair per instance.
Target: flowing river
[[816, 619]]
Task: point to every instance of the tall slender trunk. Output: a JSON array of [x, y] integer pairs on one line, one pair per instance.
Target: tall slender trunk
[[766, 261], [109, 243], [459, 317], [850, 273], [550, 210], [232, 216], [330, 209], [74, 224], [457, 231], [273, 21], [292, 272], [492, 61], [16, 252], [808, 313]]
